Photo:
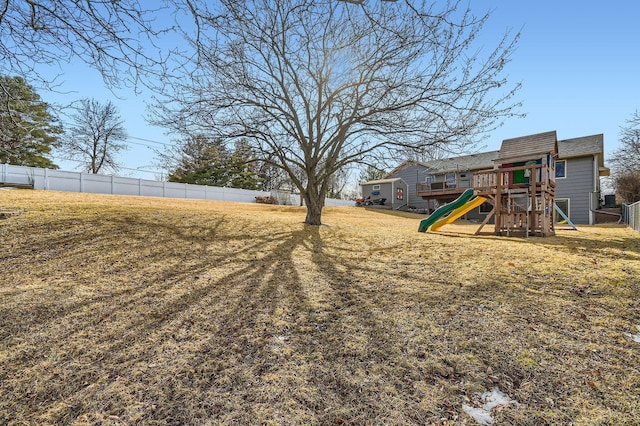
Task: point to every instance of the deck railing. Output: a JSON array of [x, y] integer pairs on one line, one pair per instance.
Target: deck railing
[[489, 180], [443, 187]]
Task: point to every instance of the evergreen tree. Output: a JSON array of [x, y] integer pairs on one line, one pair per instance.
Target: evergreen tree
[[28, 130], [201, 161], [371, 173], [243, 168]]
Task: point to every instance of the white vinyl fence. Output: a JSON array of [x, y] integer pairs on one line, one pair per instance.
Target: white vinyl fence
[[631, 215], [55, 180]]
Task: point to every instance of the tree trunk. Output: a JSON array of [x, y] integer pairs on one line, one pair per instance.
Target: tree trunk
[[314, 209]]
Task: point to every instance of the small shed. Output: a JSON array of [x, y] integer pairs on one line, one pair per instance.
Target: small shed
[[395, 193]]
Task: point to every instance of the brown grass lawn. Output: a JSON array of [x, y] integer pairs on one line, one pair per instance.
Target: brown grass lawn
[[125, 310]]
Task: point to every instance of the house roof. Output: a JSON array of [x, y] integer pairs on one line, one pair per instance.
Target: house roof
[[584, 146], [479, 161], [580, 147], [521, 148], [381, 181], [527, 147]]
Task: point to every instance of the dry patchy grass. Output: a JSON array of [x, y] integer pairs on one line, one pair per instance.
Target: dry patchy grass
[[125, 310]]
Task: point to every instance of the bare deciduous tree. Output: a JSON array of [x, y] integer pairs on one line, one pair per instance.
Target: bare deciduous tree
[[316, 85], [96, 136], [626, 161], [627, 185], [121, 39], [627, 156]]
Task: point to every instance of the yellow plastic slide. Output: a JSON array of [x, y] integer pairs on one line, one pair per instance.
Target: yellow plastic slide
[[469, 205]]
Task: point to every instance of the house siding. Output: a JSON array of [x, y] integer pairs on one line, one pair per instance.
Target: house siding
[[583, 156], [415, 173], [385, 192], [577, 186], [476, 215], [388, 190], [412, 175]]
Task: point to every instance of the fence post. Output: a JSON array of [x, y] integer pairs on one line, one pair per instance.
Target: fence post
[[625, 214], [631, 215]]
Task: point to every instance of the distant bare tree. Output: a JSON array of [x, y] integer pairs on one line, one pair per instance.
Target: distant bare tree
[[338, 182], [627, 185], [625, 161], [627, 156], [317, 85], [95, 136]]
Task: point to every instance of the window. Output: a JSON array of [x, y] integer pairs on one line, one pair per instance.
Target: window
[[486, 207], [562, 204], [430, 178], [465, 180], [451, 180], [561, 169], [376, 187]]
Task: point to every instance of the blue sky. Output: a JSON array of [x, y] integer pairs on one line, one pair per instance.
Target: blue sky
[[578, 62]]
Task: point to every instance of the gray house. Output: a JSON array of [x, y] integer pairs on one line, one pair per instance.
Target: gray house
[[394, 191], [437, 182], [579, 166]]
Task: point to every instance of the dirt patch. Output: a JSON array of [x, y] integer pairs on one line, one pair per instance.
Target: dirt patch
[[6, 214]]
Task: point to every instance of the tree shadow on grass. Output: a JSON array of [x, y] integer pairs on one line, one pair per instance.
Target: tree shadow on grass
[[574, 240], [213, 322], [204, 326]]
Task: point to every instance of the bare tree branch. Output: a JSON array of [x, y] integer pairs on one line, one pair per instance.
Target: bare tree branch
[[625, 161], [123, 40], [627, 156], [317, 85]]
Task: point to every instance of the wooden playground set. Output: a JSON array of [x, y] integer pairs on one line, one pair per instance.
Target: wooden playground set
[[521, 189]]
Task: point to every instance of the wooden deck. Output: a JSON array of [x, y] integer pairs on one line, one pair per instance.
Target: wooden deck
[[425, 191]]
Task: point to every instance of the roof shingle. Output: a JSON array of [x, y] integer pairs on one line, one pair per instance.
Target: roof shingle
[[480, 161], [527, 147]]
